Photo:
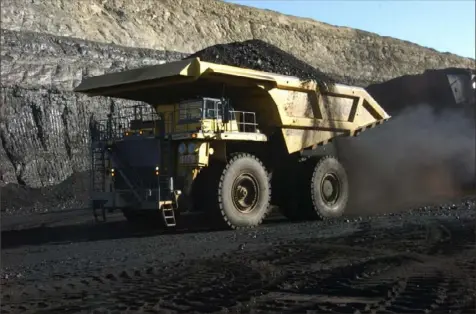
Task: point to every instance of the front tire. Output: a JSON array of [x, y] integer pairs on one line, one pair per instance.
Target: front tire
[[244, 192]]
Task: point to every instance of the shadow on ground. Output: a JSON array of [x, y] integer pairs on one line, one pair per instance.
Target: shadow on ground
[[89, 231]]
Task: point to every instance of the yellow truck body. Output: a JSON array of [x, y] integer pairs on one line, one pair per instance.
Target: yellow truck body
[[306, 115], [251, 111]]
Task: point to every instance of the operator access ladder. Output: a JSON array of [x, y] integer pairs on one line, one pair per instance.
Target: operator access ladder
[[168, 213], [99, 170], [168, 206], [98, 178]]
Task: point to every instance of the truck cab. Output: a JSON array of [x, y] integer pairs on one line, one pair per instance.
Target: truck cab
[[207, 116]]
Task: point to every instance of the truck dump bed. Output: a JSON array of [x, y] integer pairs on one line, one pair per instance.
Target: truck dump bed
[[306, 115]]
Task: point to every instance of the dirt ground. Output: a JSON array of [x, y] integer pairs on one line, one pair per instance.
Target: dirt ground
[[420, 261]]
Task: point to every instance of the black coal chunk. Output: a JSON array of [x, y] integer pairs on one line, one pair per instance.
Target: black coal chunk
[[259, 55]]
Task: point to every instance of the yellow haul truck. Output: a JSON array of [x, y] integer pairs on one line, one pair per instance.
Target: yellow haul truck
[[215, 139]]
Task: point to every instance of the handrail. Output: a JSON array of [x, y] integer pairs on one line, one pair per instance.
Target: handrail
[[145, 120]]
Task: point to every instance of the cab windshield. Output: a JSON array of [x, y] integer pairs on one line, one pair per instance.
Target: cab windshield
[[190, 111]]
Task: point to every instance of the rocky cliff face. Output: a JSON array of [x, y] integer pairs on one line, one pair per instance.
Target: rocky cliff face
[[44, 126], [191, 25]]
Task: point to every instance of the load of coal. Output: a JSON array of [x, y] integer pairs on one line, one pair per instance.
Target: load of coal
[[259, 55]]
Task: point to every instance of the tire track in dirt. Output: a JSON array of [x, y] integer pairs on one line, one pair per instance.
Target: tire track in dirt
[[223, 277], [368, 287], [224, 284], [296, 276]]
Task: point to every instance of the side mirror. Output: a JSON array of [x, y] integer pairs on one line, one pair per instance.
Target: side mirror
[[226, 112]]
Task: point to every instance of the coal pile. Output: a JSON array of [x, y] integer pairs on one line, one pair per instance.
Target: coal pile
[[259, 55], [71, 193]]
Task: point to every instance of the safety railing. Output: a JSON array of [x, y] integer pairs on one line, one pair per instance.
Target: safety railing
[[140, 119], [245, 120], [145, 121]]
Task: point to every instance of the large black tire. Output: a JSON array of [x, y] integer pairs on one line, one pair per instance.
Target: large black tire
[[304, 199], [244, 192], [329, 188]]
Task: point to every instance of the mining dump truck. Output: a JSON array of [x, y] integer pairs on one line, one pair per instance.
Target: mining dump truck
[[215, 140]]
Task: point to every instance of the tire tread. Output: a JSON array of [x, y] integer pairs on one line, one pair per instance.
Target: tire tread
[[234, 157], [323, 159]]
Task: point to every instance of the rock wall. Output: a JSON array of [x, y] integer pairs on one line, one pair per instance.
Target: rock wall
[[191, 25], [44, 126]]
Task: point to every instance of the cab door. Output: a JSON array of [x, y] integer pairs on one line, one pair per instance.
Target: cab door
[[212, 118]]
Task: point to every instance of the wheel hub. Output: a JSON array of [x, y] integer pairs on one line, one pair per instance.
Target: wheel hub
[[242, 192], [330, 188], [245, 193]]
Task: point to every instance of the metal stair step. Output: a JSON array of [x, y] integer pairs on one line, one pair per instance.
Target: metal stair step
[[169, 215]]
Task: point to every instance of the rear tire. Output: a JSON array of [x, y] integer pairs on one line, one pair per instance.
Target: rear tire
[[307, 189], [329, 188], [244, 192]]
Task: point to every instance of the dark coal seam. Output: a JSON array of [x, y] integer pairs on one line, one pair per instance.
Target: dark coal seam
[[66, 137], [38, 115], [10, 157]]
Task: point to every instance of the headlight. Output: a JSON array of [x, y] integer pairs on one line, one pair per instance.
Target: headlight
[[191, 148], [182, 148]]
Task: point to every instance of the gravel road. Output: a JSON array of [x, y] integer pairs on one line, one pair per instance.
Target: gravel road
[[420, 261]]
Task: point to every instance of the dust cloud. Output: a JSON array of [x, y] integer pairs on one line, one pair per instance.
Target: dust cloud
[[416, 158]]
